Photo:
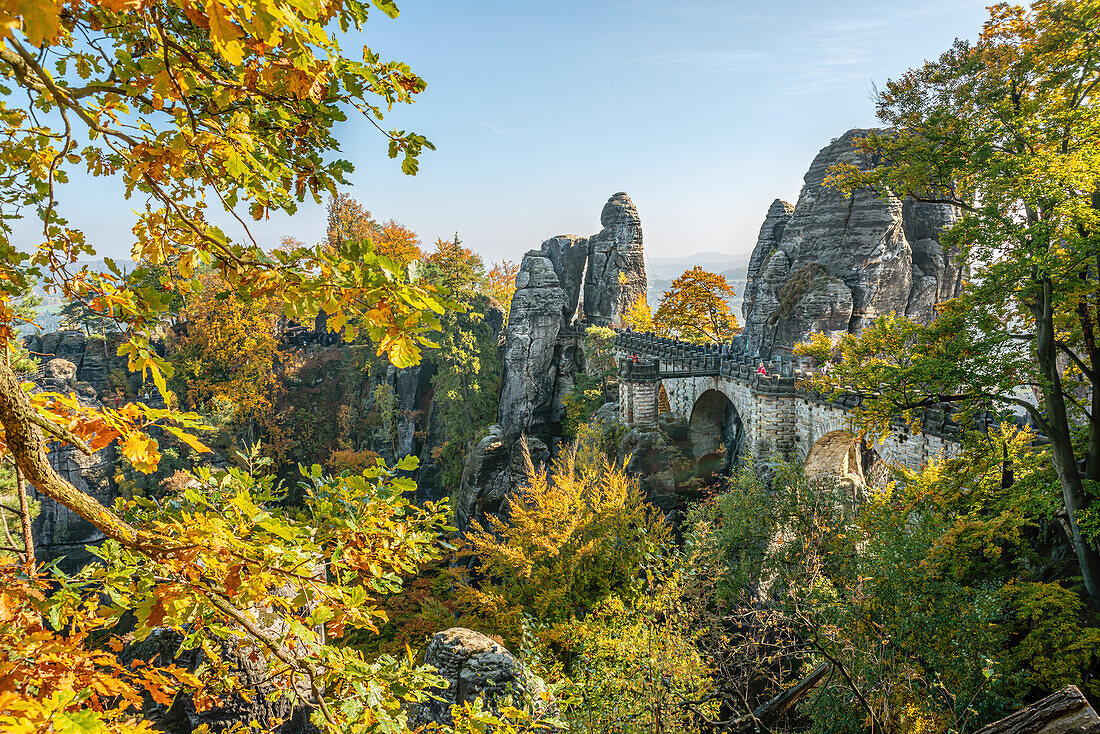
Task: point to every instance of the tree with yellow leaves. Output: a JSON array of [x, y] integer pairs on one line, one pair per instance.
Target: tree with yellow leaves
[[697, 308], [579, 533], [639, 316], [228, 352], [197, 111], [501, 284]]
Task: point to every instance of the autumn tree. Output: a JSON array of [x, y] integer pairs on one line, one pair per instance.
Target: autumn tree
[[696, 308], [501, 284], [639, 316], [348, 220], [580, 533], [227, 353], [199, 112], [397, 241], [1004, 129]]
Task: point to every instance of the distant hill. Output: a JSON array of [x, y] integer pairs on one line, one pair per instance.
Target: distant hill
[[663, 270]]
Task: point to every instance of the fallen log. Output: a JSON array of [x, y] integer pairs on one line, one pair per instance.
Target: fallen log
[[1063, 712]]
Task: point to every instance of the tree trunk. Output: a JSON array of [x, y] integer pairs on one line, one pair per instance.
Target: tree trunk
[[1061, 441], [28, 449]]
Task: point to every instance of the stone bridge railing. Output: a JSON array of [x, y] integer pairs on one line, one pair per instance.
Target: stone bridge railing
[[659, 358]]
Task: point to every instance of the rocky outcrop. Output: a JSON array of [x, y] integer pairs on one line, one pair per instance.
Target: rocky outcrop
[[835, 262], [91, 358], [767, 242], [616, 263], [59, 533], [538, 365], [529, 368], [474, 667]]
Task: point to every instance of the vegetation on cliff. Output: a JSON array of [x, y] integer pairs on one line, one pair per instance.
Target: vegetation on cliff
[[308, 574]]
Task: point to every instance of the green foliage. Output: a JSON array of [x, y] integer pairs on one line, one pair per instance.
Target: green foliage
[[595, 386], [576, 536], [636, 663], [466, 384], [934, 596], [385, 403]]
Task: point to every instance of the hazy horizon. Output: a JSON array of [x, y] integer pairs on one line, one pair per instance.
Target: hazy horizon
[[703, 112]]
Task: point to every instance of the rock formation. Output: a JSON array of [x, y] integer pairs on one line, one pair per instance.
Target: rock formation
[[835, 262], [58, 532], [538, 365], [91, 358], [615, 278], [476, 667]]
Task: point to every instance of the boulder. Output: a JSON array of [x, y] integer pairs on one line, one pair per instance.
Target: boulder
[[835, 262], [474, 667]]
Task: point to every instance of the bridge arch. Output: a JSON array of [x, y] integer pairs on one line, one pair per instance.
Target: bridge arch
[[716, 431]]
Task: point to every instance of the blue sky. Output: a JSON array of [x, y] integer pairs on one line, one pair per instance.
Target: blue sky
[[702, 111]]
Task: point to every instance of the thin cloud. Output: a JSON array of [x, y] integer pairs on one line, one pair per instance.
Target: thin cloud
[[699, 10], [705, 60], [493, 128]]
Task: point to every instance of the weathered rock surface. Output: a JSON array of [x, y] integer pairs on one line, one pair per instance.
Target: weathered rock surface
[[58, 532], [767, 242], [836, 262], [90, 357], [616, 264], [538, 367], [477, 667], [529, 369]]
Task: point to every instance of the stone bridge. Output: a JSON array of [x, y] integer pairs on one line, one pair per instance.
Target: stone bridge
[[733, 412]]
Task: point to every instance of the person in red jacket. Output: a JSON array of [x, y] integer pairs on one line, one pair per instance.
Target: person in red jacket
[[760, 370]]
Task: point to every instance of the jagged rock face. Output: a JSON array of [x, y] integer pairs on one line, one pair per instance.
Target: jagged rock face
[[529, 369], [568, 254], [616, 264], [58, 532], [539, 367], [90, 358], [474, 667], [836, 262], [771, 234], [493, 469]]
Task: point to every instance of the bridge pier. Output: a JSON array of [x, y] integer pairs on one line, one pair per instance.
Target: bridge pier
[[639, 391]]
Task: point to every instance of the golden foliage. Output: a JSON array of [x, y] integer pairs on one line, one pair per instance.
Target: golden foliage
[[579, 533], [229, 351], [639, 316], [501, 283], [697, 308]]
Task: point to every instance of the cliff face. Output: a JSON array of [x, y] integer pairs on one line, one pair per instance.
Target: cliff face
[[835, 262], [538, 366], [59, 533]]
